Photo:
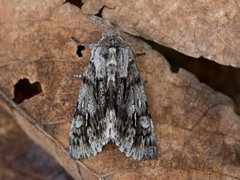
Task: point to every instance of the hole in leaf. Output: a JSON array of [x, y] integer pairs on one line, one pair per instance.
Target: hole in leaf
[[99, 14], [80, 48], [77, 3], [23, 89], [219, 77]]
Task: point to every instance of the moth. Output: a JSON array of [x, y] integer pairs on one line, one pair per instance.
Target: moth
[[112, 104]]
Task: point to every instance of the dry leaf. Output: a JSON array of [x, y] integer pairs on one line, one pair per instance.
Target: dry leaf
[[197, 128], [198, 28]]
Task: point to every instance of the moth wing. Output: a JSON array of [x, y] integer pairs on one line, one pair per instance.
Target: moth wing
[[87, 129], [135, 135]]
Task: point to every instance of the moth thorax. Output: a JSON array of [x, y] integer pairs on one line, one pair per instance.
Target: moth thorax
[[111, 65], [111, 61]]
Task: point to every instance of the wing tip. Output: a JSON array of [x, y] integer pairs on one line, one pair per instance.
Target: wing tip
[[140, 152], [77, 152], [82, 151]]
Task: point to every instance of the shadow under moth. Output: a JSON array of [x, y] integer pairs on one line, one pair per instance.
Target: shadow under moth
[[112, 104]]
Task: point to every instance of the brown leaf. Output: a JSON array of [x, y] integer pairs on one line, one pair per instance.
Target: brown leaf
[[197, 128], [20, 157], [196, 28]]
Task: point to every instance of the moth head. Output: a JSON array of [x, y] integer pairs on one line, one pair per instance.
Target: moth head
[[110, 33], [111, 39]]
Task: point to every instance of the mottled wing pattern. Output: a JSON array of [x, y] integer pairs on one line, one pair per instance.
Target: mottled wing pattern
[[112, 105], [135, 135], [87, 130]]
